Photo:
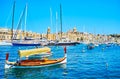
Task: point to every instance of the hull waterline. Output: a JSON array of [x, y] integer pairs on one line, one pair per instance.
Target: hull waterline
[[23, 44]]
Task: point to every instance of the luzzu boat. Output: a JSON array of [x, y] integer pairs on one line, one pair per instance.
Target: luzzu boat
[[34, 63]]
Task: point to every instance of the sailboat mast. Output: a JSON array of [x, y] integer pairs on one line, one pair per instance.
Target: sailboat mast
[[51, 17], [56, 24], [12, 21], [25, 20], [61, 19]]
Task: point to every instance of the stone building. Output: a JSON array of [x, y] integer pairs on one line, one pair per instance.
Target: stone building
[[73, 35], [6, 34]]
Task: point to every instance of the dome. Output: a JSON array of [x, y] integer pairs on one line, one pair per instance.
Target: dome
[[74, 29]]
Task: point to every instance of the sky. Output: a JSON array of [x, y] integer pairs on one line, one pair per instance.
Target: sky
[[92, 16]]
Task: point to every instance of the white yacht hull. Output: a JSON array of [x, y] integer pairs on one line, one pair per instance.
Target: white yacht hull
[[5, 44]]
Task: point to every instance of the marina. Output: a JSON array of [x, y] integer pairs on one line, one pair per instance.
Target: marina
[[59, 39]]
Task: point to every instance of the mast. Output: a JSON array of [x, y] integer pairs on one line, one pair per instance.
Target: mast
[[25, 19], [51, 17], [61, 19], [12, 21], [56, 24]]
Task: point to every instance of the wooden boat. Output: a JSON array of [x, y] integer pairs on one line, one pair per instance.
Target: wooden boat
[[33, 63]]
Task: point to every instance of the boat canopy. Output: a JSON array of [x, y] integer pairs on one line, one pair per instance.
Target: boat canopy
[[27, 53]]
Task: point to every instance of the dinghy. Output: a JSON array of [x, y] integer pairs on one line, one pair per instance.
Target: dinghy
[[34, 63]]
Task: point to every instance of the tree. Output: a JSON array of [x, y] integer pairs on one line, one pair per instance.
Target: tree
[[81, 39]]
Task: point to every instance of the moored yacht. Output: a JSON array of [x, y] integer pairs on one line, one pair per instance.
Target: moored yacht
[[26, 43], [65, 41]]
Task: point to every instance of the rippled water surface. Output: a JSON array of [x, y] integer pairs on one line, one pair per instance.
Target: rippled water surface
[[101, 62]]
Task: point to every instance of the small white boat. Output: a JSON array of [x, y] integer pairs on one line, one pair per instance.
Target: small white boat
[[33, 63], [3, 43]]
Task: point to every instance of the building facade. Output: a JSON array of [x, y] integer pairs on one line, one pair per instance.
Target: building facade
[[73, 35]]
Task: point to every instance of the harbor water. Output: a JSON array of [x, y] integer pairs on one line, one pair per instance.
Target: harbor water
[[102, 62]]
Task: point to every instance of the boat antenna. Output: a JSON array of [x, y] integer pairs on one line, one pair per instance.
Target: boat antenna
[[61, 19], [25, 19], [13, 20]]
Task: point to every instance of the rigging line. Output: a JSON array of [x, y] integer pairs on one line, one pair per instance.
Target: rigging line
[[8, 17], [17, 26], [19, 23]]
